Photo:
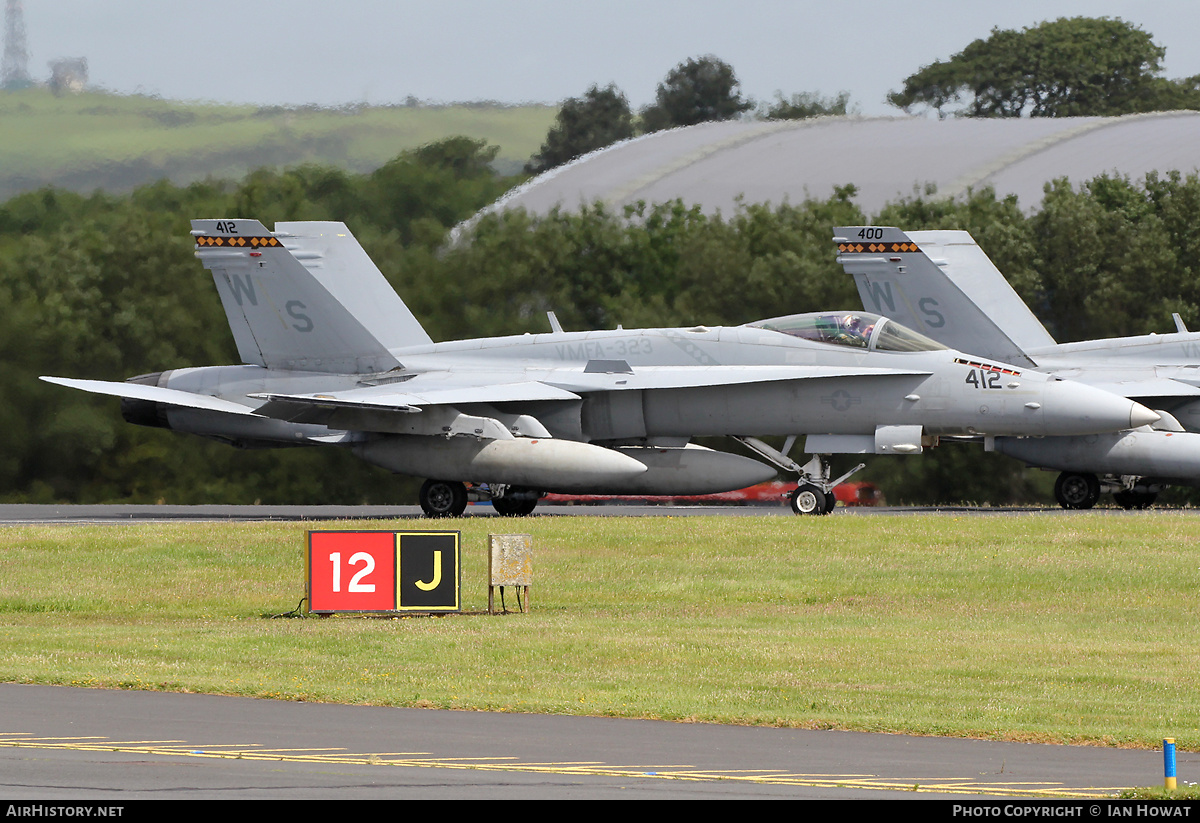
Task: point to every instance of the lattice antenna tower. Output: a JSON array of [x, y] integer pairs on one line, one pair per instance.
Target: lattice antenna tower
[[14, 69]]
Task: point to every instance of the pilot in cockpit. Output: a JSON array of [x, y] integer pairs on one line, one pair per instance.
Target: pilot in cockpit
[[854, 332]]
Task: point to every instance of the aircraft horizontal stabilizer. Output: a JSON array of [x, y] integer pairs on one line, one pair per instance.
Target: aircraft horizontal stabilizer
[[154, 394]]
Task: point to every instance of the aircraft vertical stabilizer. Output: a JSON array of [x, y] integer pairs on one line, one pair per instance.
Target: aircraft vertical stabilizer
[[338, 261], [969, 268], [908, 279], [281, 316]]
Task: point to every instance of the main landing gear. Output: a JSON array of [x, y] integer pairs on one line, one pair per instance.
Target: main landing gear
[[443, 498], [1079, 490], [1135, 499], [448, 498], [514, 502], [1076, 491]]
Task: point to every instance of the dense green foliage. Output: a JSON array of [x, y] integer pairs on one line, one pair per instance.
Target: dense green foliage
[[1063, 68], [698, 90], [803, 105], [598, 119], [106, 287], [1070, 67]]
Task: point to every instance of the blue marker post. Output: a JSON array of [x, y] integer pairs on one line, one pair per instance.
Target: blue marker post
[[1169, 763]]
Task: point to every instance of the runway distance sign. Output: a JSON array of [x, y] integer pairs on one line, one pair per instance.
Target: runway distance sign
[[383, 571]]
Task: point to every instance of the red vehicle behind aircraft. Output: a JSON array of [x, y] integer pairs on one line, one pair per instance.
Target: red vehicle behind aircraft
[[773, 493]]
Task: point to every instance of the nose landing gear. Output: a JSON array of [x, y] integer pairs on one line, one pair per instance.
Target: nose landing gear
[[814, 493], [810, 499]]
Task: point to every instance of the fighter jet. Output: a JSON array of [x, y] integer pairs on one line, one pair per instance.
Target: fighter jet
[[331, 355], [942, 284]]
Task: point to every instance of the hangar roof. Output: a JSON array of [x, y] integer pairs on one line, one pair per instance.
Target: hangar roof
[[885, 157]]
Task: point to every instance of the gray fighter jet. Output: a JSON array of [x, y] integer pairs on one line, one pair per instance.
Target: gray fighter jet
[[942, 284], [331, 355]]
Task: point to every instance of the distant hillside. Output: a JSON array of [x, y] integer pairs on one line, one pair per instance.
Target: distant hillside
[[98, 140]]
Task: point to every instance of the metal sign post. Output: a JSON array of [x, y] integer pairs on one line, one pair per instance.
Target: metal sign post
[[510, 563]]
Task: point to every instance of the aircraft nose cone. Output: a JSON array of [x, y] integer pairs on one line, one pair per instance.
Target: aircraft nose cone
[[1075, 408]]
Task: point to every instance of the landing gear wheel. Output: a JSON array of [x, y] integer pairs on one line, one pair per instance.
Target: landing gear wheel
[[808, 499], [1076, 491], [443, 498], [830, 502], [514, 507], [1134, 500]]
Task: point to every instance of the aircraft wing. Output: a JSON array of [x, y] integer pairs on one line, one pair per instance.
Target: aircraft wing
[[389, 398], [422, 404], [458, 388], [1134, 383], [1148, 389], [436, 395], [138, 391], [691, 377], [428, 403]]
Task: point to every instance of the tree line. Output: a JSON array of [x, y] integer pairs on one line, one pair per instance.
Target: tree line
[[1070, 67], [106, 287], [698, 90]]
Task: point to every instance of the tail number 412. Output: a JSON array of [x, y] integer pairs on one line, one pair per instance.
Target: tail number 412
[[981, 379]]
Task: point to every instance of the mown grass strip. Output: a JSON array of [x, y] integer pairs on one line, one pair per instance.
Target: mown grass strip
[[1070, 628]]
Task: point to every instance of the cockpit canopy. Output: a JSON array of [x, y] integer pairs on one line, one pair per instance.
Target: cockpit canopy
[[856, 329]]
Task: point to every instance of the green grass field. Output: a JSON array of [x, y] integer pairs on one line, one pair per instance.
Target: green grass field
[[96, 140], [1055, 628]]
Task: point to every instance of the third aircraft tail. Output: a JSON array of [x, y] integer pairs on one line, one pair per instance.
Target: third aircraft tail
[[943, 285]]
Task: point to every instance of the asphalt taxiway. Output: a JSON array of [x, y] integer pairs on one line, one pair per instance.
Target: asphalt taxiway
[[62, 743], [132, 513]]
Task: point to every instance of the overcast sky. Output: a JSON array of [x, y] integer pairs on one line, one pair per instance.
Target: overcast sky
[[333, 52]]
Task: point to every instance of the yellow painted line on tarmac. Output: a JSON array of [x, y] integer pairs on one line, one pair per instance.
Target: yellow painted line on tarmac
[[333, 755], [135, 744], [250, 748], [27, 736]]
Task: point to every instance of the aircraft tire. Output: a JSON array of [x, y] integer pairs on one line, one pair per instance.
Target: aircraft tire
[[808, 499], [1134, 500], [443, 498], [514, 507], [830, 502], [1076, 491]]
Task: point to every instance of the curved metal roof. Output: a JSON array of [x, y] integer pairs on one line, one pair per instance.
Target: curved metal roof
[[887, 158]]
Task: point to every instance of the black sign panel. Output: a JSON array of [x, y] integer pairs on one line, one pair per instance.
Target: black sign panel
[[428, 571]]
